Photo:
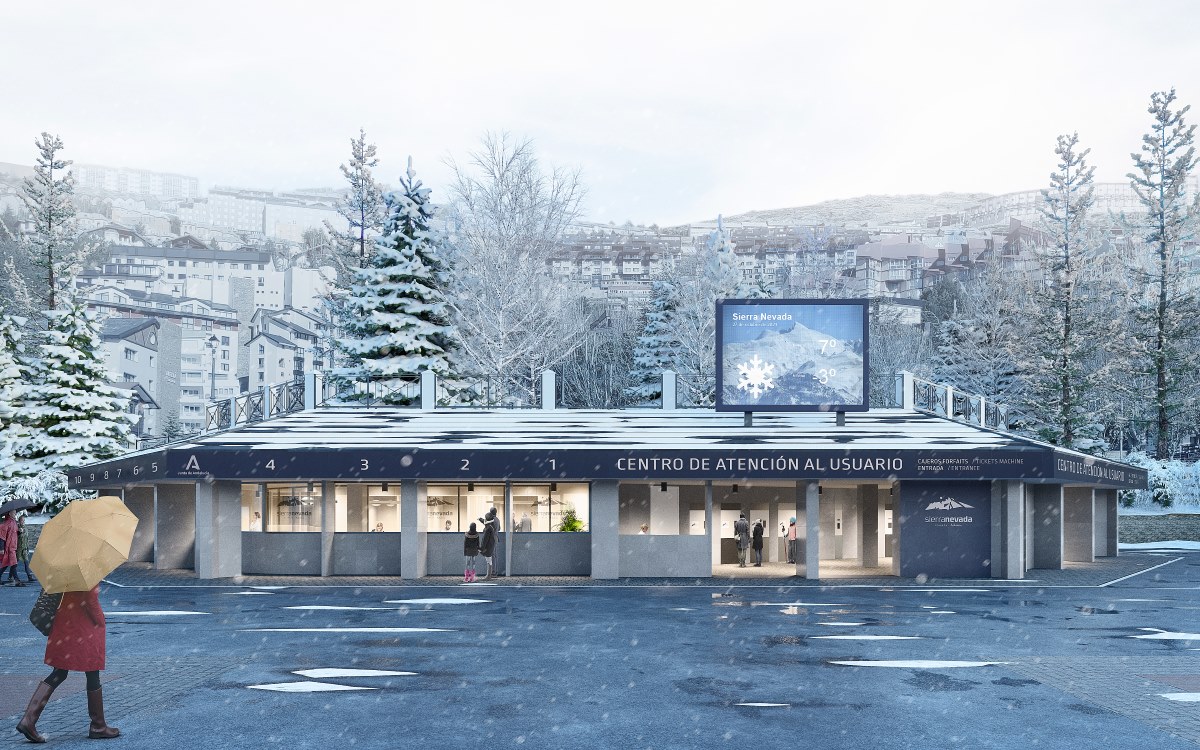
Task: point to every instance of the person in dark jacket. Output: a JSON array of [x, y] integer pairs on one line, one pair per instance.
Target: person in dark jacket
[[487, 543], [23, 549], [741, 531], [757, 543], [76, 643], [470, 551]]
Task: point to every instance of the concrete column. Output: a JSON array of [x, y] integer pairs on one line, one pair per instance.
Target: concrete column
[[328, 525], [175, 526], [218, 529], [711, 523], [868, 524], [606, 529], [1008, 529], [1113, 522], [1078, 532], [428, 390], [310, 391], [357, 508], [1047, 526], [140, 500], [1099, 524], [505, 525], [548, 378], [669, 397], [664, 510], [894, 499], [771, 538], [827, 514], [413, 538], [808, 530]]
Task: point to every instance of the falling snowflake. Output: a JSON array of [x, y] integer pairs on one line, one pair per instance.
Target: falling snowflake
[[755, 376]]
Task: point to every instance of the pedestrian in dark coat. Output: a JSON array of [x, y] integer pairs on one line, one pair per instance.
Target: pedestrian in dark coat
[[487, 543], [8, 541], [76, 643], [741, 530], [757, 543], [23, 549], [470, 551]]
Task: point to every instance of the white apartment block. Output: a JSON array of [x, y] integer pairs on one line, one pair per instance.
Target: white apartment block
[[136, 182], [283, 345]]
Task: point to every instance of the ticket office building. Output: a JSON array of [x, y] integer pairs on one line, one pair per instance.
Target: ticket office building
[[611, 494]]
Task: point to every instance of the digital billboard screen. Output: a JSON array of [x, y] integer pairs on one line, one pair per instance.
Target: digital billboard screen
[[792, 355]]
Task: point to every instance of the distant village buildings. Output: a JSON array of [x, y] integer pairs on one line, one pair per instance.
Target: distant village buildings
[[205, 297]]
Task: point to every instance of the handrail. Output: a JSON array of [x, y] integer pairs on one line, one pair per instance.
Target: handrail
[[946, 401]]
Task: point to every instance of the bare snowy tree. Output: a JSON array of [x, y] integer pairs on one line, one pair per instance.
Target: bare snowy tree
[[507, 215]]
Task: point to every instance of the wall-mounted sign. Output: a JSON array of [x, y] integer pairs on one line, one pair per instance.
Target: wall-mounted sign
[[792, 355]]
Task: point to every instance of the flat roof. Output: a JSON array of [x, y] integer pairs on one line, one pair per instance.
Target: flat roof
[[353, 443]]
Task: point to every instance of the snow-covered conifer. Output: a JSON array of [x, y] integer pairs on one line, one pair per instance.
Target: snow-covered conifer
[[398, 320], [1168, 315], [658, 345], [1061, 370], [51, 244], [70, 415]]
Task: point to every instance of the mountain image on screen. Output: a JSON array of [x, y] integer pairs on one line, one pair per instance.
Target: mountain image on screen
[[795, 365]]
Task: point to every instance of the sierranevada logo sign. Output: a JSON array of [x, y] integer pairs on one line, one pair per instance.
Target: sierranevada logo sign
[[941, 512]]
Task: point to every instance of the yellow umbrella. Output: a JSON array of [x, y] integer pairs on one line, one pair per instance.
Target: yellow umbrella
[[82, 544]]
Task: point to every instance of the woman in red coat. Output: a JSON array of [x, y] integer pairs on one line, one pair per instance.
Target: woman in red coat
[[76, 643], [8, 558]]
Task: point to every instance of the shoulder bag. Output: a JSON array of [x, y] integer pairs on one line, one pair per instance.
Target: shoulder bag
[[44, 610]]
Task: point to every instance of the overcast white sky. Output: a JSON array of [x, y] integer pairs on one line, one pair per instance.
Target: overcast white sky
[[674, 111]]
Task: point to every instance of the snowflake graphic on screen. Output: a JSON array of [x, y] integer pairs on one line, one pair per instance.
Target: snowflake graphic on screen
[[755, 376]]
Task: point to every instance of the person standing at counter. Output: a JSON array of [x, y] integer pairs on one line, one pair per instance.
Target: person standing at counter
[[741, 532], [758, 543], [791, 540], [470, 552], [487, 543]]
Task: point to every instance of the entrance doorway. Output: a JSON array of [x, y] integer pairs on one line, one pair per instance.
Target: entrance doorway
[[856, 538]]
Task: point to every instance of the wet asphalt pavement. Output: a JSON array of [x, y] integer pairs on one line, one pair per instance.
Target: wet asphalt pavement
[[639, 667]]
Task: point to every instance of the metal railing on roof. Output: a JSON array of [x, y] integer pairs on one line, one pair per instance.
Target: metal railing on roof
[[946, 401]]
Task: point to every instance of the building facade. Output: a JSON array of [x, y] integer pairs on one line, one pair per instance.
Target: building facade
[[342, 490]]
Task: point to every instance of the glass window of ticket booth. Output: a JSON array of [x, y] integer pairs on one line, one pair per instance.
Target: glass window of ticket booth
[[291, 513], [548, 521]]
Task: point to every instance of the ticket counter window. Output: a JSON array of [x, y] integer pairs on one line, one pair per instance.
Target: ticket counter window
[[367, 507], [550, 507], [294, 507], [453, 508], [252, 506]]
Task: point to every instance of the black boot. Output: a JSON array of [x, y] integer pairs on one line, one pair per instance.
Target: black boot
[[28, 723], [99, 730]]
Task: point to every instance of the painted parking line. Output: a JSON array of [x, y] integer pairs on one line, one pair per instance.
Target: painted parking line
[[1140, 572], [346, 630], [920, 664], [1155, 634], [764, 705], [796, 604], [325, 674], [335, 608], [867, 637], [843, 624], [246, 593], [155, 613], [947, 591], [437, 601], [1183, 697], [306, 687]]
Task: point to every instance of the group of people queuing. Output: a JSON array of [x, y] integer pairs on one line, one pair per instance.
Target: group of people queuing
[[14, 549], [751, 539], [483, 544]]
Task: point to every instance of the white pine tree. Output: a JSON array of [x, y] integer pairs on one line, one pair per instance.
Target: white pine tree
[[11, 376], [1167, 316], [1061, 369], [714, 276], [362, 208], [51, 244], [70, 415], [397, 324], [658, 345]]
